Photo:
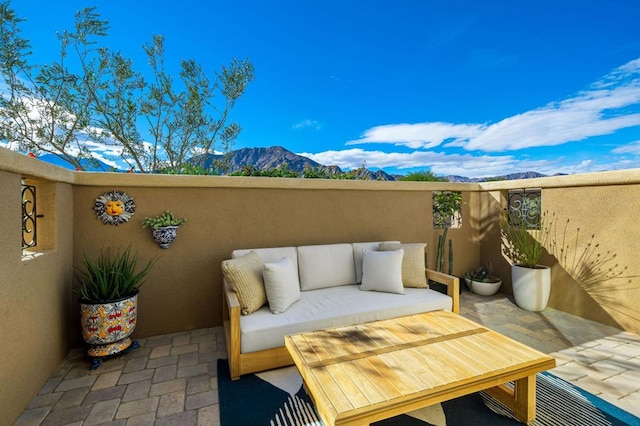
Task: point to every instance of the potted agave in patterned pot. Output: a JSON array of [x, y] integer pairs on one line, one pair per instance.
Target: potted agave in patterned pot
[[108, 288], [164, 227]]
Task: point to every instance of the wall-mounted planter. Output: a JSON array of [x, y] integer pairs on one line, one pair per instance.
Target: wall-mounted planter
[[164, 235]]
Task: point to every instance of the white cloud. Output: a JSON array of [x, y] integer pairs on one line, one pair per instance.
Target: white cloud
[[439, 163], [607, 106], [631, 148], [307, 123], [420, 135]]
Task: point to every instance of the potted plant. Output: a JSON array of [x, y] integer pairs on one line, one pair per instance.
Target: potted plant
[[483, 281], [164, 227], [108, 286], [531, 282]]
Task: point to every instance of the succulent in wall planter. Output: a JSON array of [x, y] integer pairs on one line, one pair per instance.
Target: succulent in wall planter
[[108, 287], [164, 227]]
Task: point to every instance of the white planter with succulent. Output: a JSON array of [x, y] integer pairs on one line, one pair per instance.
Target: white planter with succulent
[[531, 282], [483, 281], [164, 227]]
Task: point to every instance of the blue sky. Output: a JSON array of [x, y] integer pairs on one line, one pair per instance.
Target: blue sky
[[459, 87]]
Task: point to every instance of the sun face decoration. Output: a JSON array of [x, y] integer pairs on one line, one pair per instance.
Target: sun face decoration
[[114, 208]]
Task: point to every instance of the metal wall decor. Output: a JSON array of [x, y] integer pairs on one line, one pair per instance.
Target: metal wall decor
[[29, 215], [114, 208], [524, 206]]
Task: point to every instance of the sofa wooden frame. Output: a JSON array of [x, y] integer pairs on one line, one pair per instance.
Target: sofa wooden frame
[[244, 363]]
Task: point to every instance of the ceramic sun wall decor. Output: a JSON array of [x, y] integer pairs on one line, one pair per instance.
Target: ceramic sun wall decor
[[114, 208]]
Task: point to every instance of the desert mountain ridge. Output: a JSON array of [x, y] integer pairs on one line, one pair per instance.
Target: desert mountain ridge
[[275, 156]]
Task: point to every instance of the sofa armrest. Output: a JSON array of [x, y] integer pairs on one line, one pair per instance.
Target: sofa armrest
[[231, 319], [452, 283]]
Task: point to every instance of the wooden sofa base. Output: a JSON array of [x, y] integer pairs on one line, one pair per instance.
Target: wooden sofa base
[[245, 363], [253, 362]]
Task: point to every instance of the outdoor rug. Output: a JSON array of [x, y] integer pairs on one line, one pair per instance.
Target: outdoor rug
[[276, 398]]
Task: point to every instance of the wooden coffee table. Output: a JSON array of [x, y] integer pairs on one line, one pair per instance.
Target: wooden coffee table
[[369, 372]]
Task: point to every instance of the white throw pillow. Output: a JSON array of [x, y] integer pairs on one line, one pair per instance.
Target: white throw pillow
[[382, 271], [281, 284]]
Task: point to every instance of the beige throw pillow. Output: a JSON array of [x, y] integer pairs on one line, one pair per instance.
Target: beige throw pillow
[[413, 274], [244, 275]]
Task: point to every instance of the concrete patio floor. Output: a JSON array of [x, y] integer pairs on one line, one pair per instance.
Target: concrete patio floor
[[171, 379]]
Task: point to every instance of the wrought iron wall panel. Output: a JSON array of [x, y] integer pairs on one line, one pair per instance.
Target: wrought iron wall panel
[[29, 214], [524, 206]]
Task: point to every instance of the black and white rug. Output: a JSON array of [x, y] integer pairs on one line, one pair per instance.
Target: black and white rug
[[276, 398]]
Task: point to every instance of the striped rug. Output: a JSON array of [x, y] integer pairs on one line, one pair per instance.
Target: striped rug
[[276, 398]]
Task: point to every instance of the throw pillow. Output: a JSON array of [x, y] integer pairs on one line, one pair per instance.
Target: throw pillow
[[244, 275], [382, 271], [281, 284], [413, 274]]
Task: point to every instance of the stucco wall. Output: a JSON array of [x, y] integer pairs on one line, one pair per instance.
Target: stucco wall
[[34, 292], [592, 248], [183, 289]]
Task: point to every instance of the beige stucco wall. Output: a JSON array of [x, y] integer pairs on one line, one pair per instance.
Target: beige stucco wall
[[592, 248], [34, 293], [224, 213], [184, 288]]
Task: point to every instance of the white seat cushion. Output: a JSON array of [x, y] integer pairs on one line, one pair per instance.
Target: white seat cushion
[[333, 307], [328, 265]]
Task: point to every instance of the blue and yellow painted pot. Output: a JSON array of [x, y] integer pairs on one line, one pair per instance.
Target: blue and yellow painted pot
[[106, 326]]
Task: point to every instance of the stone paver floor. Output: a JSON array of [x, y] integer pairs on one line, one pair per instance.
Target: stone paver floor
[[171, 379]]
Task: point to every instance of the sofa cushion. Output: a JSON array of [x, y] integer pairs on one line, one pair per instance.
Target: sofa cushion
[[334, 307], [281, 284], [244, 275], [328, 265], [357, 255], [382, 271], [272, 254], [413, 274]]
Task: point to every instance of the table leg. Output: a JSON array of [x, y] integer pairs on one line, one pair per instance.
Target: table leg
[[525, 399]]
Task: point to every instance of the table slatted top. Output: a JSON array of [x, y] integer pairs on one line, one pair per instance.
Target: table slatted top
[[379, 365]]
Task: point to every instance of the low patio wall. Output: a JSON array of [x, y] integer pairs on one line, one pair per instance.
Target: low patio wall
[[35, 296], [594, 244], [183, 289]]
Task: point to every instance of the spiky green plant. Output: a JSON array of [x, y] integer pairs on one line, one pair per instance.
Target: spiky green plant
[[524, 246], [110, 276]]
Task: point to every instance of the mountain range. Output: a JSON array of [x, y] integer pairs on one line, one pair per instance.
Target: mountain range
[[275, 156]]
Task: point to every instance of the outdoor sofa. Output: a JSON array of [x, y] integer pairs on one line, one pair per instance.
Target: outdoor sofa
[[272, 292]]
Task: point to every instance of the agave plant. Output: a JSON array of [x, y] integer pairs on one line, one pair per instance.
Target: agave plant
[[110, 276]]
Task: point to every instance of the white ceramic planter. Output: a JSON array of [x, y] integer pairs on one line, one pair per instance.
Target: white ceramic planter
[[531, 286], [485, 289]]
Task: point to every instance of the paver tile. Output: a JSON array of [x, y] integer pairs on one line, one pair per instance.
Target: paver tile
[[102, 412], [181, 419], [171, 403], [170, 386], [137, 407]]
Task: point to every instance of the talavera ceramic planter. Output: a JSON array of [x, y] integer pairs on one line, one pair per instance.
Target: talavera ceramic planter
[[106, 326], [164, 235]]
